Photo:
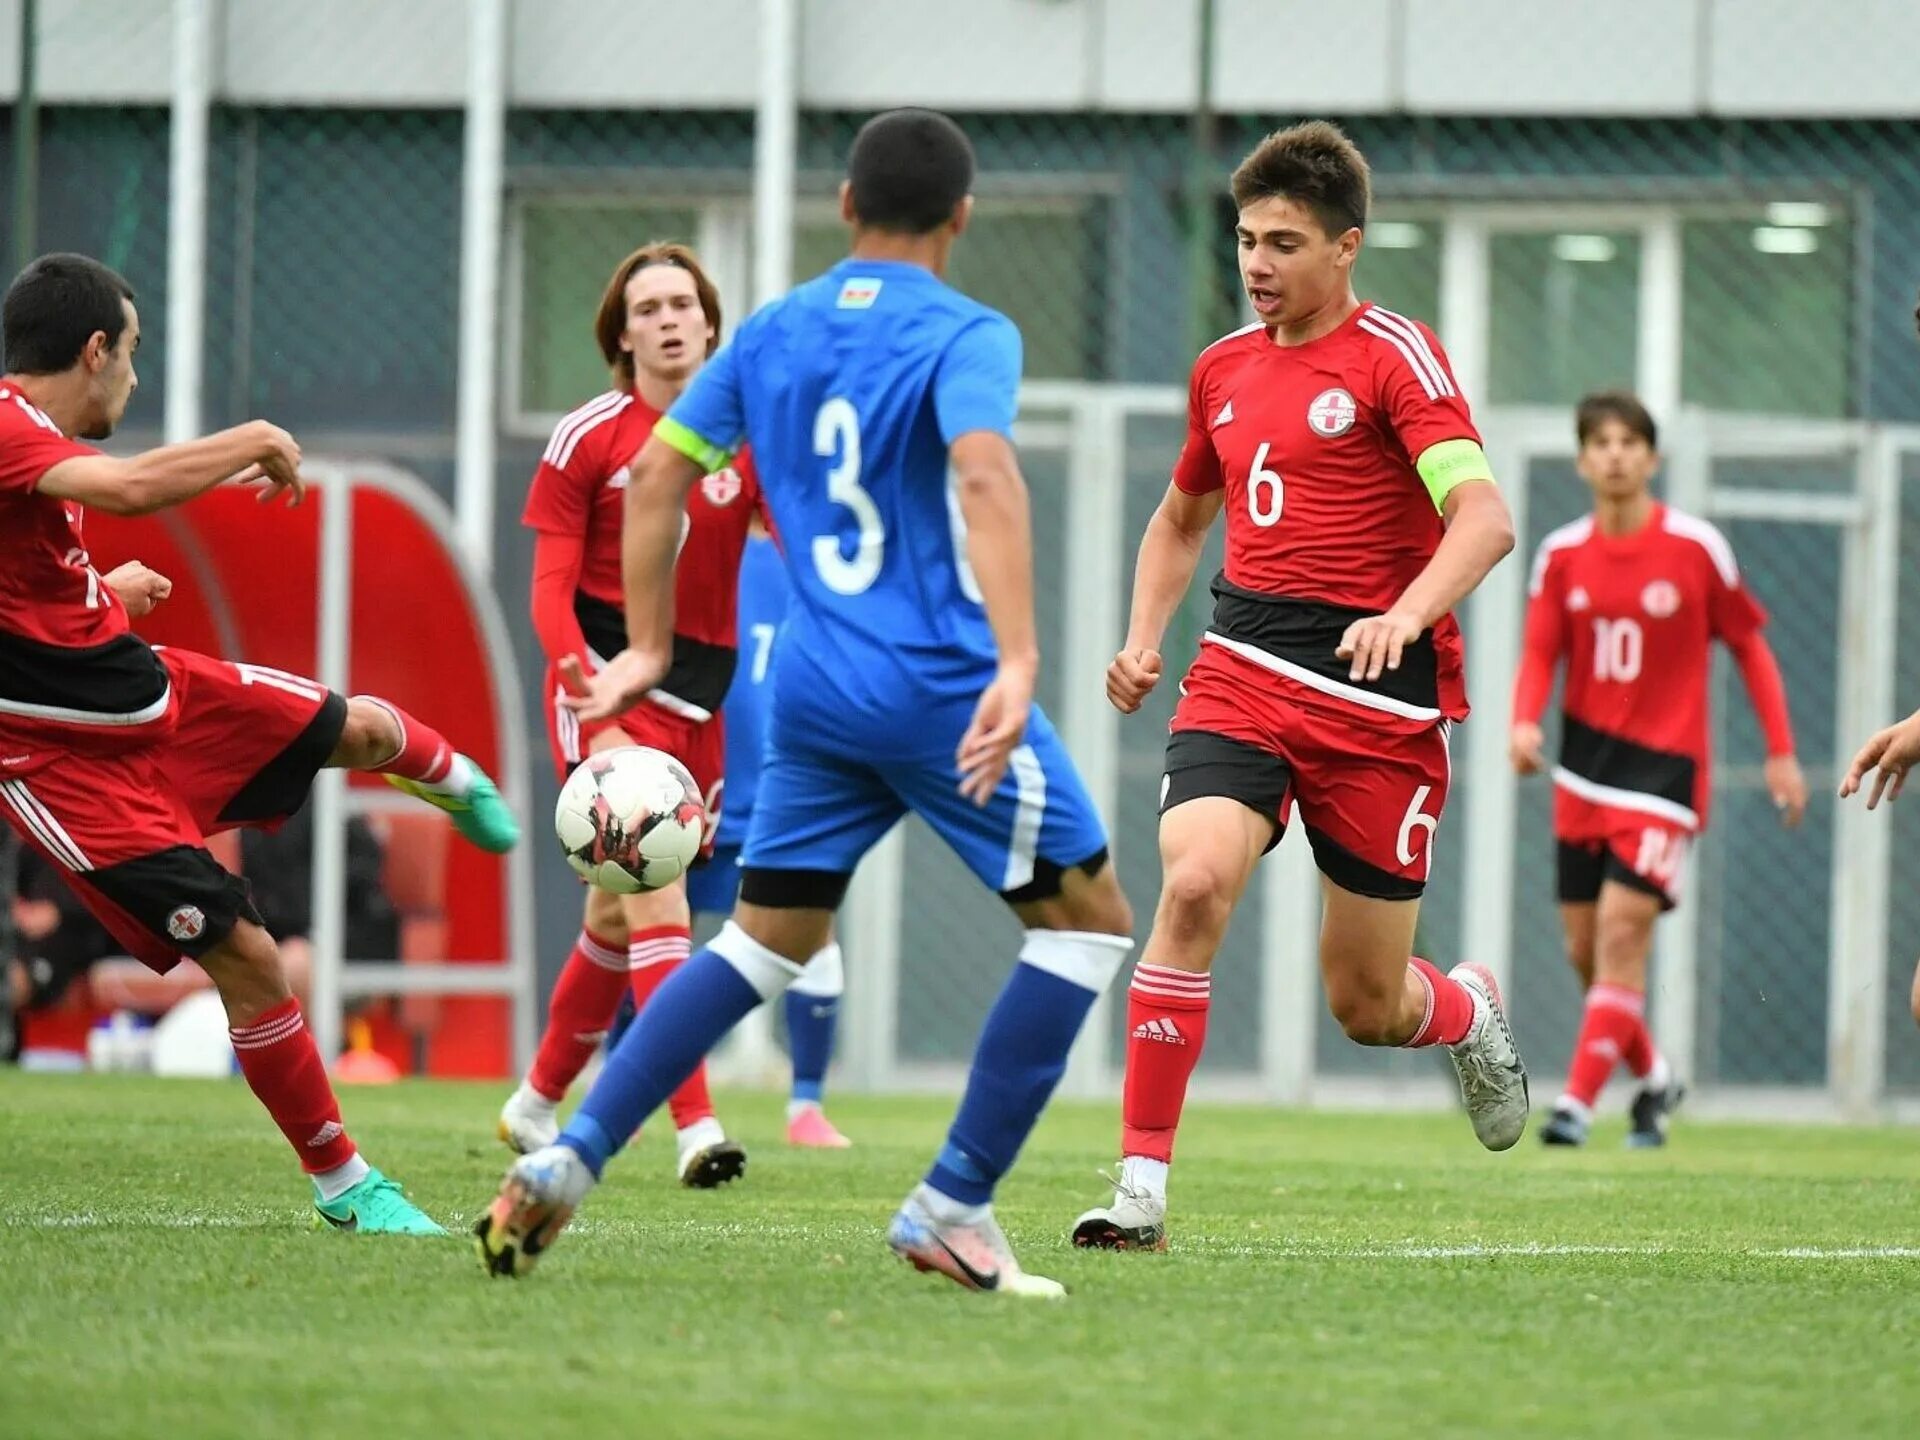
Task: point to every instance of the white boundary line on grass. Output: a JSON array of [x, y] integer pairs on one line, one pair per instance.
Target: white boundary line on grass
[[1280, 1250]]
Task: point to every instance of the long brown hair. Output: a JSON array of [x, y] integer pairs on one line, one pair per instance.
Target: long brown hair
[[610, 323]]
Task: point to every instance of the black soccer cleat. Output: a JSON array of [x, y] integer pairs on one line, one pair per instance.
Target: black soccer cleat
[[711, 1166], [1564, 1128], [1651, 1111]]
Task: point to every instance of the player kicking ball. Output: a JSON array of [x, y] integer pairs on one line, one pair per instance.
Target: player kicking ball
[[1360, 511], [1632, 598], [118, 760], [905, 680]]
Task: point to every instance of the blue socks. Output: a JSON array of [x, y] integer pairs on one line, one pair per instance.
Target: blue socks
[[685, 1018], [1021, 1057], [810, 1024]]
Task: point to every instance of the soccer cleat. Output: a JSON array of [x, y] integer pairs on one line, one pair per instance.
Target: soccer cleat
[[1651, 1110], [1493, 1082], [537, 1198], [481, 815], [1136, 1220], [975, 1256], [1566, 1127], [707, 1159], [528, 1121], [375, 1206], [811, 1130]]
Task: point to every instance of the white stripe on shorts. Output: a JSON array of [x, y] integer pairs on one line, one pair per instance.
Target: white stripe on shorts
[[1030, 781]]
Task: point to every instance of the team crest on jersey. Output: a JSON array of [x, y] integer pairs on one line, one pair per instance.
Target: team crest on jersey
[[187, 922], [619, 479], [1332, 412], [1660, 599], [1578, 599], [722, 487]]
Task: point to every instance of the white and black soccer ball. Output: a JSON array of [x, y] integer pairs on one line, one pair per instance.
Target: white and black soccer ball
[[630, 819]]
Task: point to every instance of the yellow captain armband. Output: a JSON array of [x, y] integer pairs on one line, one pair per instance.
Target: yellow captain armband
[[1443, 466], [711, 457]]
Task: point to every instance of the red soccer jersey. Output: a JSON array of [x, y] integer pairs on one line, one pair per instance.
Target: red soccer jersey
[[579, 490], [49, 591], [1327, 517], [1635, 616]]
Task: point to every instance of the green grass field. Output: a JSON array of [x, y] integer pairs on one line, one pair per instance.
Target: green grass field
[[1331, 1275]]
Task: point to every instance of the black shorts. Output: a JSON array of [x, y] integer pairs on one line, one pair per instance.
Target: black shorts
[[1583, 868]]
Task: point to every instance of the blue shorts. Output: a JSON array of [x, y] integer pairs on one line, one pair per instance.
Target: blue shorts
[[712, 887], [825, 800]]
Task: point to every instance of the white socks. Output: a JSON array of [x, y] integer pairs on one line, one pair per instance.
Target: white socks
[[332, 1184], [1137, 1172]]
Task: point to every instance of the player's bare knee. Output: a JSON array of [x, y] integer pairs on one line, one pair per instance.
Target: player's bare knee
[[1369, 1014], [1621, 943], [606, 916], [1196, 900], [371, 736]]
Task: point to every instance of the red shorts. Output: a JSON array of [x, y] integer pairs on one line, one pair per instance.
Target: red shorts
[[1598, 843], [1368, 785], [126, 827], [700, 745]]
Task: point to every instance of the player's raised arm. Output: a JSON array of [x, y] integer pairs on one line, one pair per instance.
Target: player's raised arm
[[173, 474], [1479, 534]]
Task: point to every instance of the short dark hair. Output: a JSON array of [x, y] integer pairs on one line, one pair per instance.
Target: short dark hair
[[610, 320], [1315, 164], [908, 170], [55, 306], [1622, 405]]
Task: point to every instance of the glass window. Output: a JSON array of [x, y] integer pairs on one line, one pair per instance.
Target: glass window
[[568, 249], [1766, 301], [1565, 314], [1041, 262]]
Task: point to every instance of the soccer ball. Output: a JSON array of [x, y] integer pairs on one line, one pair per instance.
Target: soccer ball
[[630, 819]]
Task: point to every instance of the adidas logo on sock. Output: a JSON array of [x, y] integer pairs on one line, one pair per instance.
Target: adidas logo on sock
[[326, 1134], [1163, 1030]]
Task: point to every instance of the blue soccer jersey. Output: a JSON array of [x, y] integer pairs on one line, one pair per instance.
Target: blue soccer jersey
[[851, 390]]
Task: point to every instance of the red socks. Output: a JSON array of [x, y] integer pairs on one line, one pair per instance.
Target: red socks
[[1166, 1030], [424, 754], [283, 1068], [1449, 1013], [1614, 1022], [653, 955], [583, 1005]]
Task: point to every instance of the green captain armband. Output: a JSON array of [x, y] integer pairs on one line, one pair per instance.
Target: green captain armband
[[711, 457], [1442, 466]]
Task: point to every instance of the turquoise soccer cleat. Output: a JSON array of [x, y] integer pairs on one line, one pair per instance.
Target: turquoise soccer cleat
[[481, 815], [376, 1206]]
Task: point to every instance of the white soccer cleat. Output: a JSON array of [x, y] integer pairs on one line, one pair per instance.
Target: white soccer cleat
[[528, 1121], [1136, 1220], [974, 1255], [537, 1198], [1493, 1082]]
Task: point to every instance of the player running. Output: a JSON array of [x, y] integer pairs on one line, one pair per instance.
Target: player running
[[1360, 510], [905, 682], [117, 760], [812, 1004], [1632, 597], [658, 321]]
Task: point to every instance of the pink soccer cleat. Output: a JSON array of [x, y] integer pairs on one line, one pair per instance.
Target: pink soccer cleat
[[809, 1129]]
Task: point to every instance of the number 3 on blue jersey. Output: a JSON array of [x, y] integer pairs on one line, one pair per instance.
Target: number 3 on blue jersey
[[836, 432]]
